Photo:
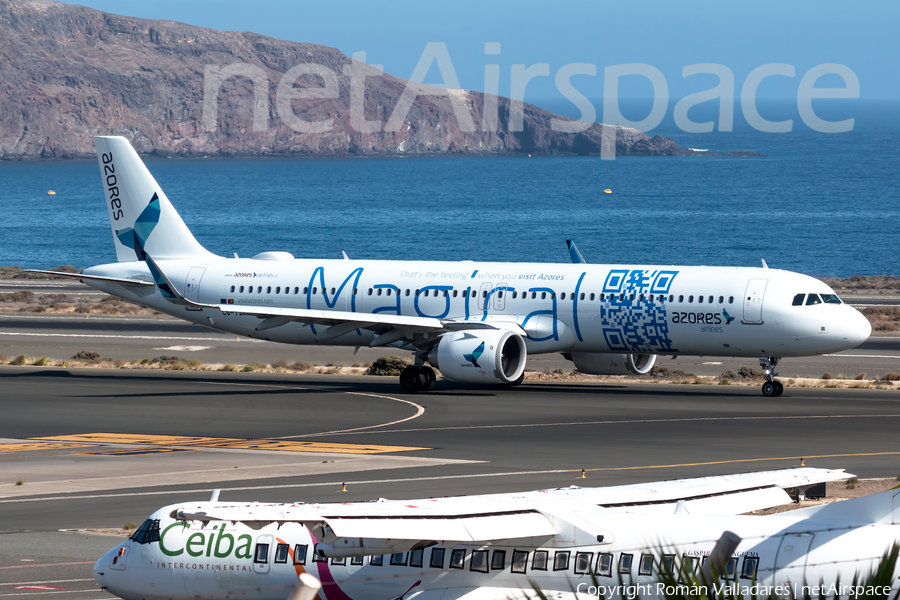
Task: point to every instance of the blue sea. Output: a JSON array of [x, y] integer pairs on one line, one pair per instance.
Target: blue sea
[[822, 204]]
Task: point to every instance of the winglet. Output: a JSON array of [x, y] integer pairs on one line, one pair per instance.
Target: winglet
[[577, 258], [765, 266], [166, 287]]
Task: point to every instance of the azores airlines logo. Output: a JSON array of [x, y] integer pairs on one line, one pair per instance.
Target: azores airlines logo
[[136, 238], [476, 354], [728, 318]]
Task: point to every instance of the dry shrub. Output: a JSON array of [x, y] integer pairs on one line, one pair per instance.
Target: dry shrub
[[19, 360], [892, 376], [229, 368], [388, 366], [724, 381], [860, 377], [19, 296], [41, 362], [827, 376], [87, 355], [852, 483]]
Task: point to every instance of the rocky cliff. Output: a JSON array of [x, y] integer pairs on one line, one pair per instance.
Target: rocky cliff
[[68, 73]]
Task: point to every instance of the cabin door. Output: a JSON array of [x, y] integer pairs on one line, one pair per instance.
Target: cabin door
[[753, 300], [790, 562], [192, 284]]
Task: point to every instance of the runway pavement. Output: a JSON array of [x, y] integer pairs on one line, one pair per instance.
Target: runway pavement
[[97, 449], [135, 338]]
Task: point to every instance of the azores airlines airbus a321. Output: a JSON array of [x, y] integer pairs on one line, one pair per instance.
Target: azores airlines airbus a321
[[475, 321], [567, 541]]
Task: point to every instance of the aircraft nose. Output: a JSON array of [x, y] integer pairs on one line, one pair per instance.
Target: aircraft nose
[[857, 328]]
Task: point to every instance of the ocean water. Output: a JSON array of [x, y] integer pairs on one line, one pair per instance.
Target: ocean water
[[822, 204]]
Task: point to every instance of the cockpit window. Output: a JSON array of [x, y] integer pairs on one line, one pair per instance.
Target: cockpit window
[[147, 532], [813, 299], [831, 299], [798, 300]]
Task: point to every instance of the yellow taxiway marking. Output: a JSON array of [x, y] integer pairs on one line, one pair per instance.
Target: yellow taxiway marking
[[36, 446], [237, 443]]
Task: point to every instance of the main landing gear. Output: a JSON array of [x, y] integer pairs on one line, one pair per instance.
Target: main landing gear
[[417, 379], [770, 387]]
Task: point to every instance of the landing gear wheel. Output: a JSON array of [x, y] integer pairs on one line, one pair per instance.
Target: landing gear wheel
[[427, 378], [779, 388], [768, 389], [411, 379]]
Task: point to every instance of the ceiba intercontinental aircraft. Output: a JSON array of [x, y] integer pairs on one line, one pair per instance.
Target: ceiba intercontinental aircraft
[[495, 546], [475, 321]]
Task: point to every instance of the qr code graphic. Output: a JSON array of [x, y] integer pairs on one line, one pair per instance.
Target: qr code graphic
[[633, 316]]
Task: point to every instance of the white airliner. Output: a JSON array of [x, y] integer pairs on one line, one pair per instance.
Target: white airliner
[[495, 546], [475, 321]]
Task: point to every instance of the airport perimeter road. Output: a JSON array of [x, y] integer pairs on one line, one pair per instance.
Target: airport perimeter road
[[134, 338]]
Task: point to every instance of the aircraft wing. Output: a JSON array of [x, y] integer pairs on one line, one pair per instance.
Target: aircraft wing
[[82, 277], [339, 322], [398, 525]]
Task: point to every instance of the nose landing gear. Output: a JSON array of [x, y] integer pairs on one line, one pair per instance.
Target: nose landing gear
[[770, 387]]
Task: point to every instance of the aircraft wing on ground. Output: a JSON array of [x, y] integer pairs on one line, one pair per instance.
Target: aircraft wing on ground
[[397, 327], [393, 525]]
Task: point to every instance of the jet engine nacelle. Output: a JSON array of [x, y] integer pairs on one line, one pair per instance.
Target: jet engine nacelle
[[593, 363], [482, 356]]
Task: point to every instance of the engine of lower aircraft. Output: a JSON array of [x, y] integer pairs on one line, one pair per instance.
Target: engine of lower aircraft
[[612, 364], [483, 356]]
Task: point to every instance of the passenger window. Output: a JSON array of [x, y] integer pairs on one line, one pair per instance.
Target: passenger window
[[621, 297], [730, 299], [625, 563], [748, 569], [415, 557], [318, 557], [515, 295], [583, 562], [473, 293], [305, 289], [533, 295], [831, 299], [398, 559], [539, 561], [242, 289], [300, 554], [646, 566], [721, 299], [709, 300], [641, 298], [339, 561], [315, 291], [671, 298], [730, 568], [278, 290], [604, 564], [582, 296], [813, 299], [437, 558], [498, 560], [455, 293], [268, 289], [699, 299], [332, 291], [377, 561], [681, 298], [259, 289], [407, 291], [281, 553], [232, 289], [631, 297], [369, 293], [297, 291], [356, 560], [387, 292], [592, 297], [667, 563], [519, 561], [378, 292], [457, 558], [561, 561], [479, 562], [602, 297], [484, 293], [499, 293], [553, 295], [562, 296], [543, 295], [798, 300], [261, 555]]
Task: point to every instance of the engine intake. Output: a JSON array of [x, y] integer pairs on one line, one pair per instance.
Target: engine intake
[[593, 363], [483, 356]]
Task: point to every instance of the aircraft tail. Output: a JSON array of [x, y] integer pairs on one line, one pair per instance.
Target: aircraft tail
[[142, 218]]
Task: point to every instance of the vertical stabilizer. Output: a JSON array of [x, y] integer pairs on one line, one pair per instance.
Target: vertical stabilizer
[[142, 218]]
